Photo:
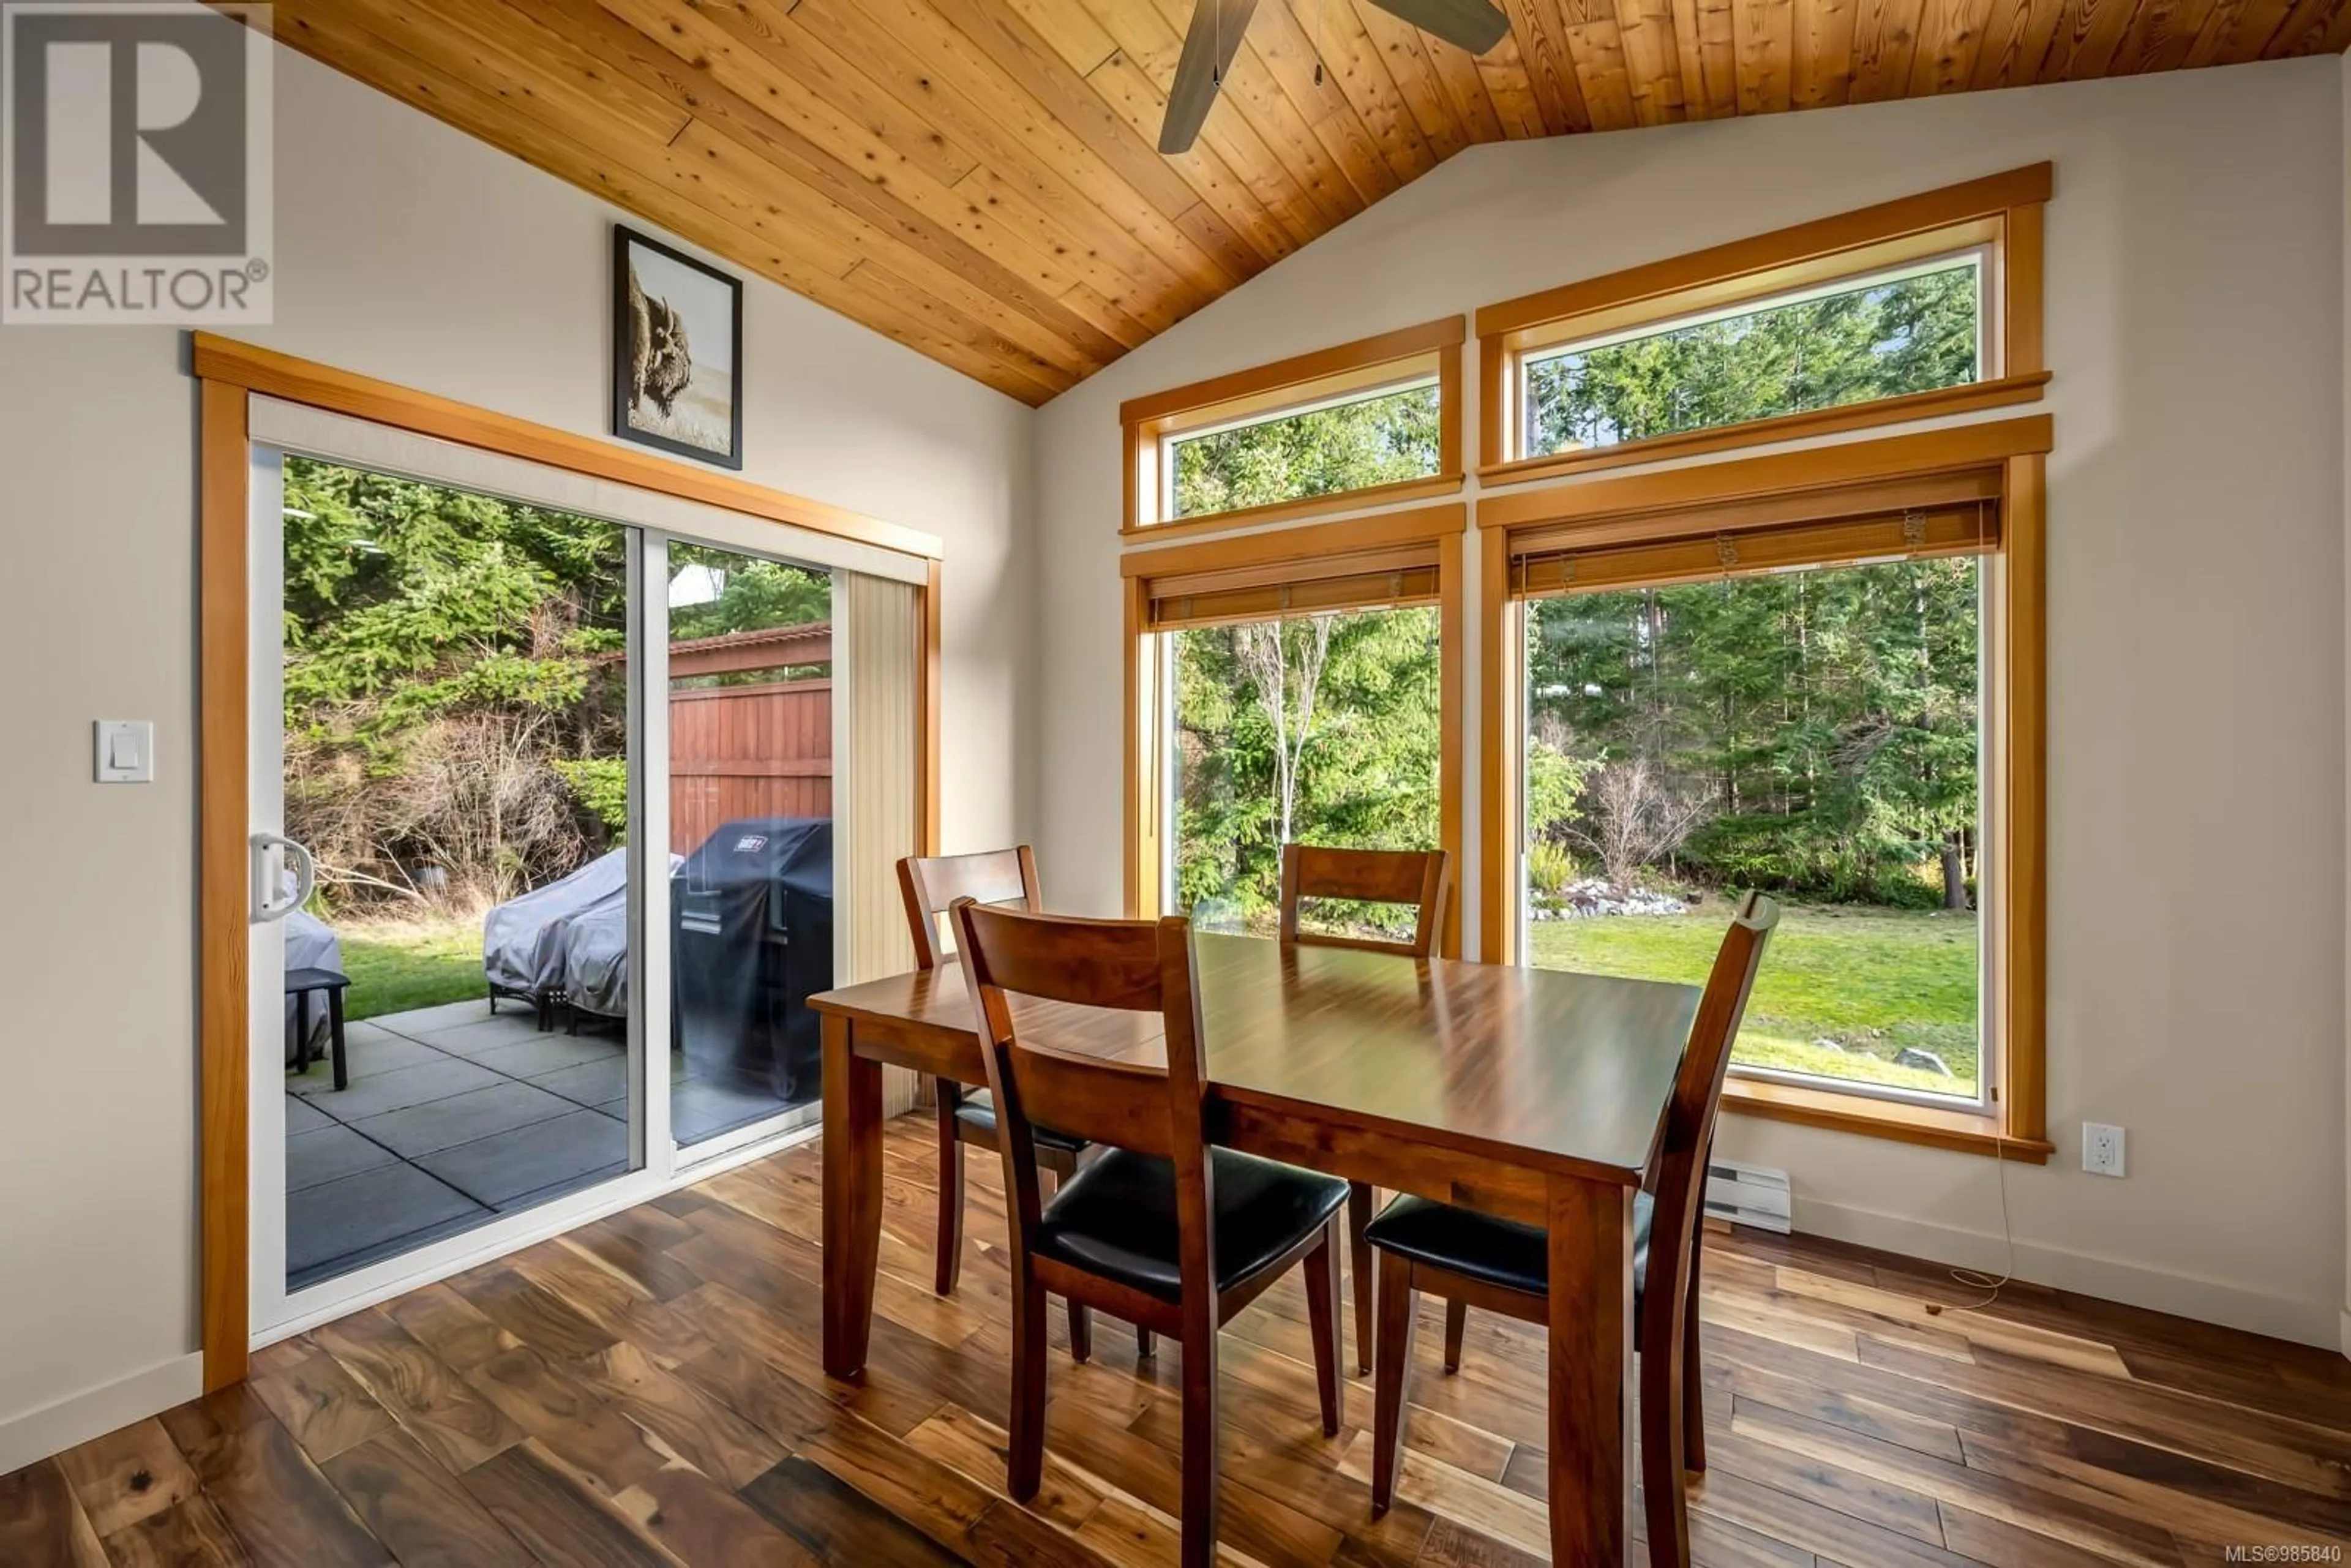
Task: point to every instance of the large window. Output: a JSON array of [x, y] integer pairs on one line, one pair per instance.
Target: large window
[[1817, 672], [1362, 423], [1815, 732]]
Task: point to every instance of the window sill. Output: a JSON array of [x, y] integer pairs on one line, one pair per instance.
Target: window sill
[[1306, 506], [1967, 399], [1964, 1131]]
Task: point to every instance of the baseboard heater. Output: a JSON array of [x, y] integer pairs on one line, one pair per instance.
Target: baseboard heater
[[1742, 1194]]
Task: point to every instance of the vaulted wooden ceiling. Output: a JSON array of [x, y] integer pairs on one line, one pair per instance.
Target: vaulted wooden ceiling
[[978, 179]]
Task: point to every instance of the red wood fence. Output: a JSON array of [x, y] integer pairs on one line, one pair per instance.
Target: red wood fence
[[760, 750]]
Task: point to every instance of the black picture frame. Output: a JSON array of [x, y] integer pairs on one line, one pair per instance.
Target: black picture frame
[[626, 240]]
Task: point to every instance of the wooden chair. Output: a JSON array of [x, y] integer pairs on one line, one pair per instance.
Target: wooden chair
[[929, 885], [1474, 1260], [1162, 1229], [1414, 877]]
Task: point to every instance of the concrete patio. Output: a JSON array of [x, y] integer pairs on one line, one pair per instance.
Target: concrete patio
[[454, 1116]]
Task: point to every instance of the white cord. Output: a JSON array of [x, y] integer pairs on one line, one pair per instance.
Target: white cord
[[1975, 1279]]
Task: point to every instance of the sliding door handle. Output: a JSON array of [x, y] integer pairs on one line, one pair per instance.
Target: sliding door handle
[[266, 855]]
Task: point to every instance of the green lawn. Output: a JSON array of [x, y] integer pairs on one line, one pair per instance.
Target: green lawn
[[395, 966], [1873, 981]]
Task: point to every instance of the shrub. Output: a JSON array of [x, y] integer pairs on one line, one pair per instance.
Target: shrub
[[601, 786], [1550, 868]]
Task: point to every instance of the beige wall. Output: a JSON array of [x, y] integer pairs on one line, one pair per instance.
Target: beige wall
[[2196, 302], [409, 252]]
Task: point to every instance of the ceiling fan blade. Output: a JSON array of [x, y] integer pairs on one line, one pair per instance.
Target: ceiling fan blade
[[1473, 25], [1208, 49]]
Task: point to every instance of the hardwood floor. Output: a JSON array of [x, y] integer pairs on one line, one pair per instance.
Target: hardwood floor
[[645, 1391]]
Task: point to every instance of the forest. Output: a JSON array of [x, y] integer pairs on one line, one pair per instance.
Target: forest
[[1813, 733], [455, 704]]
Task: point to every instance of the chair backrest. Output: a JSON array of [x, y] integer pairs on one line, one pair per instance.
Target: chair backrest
[[930, 884], [1679, 1188], [1126, 965], [1416, 877]]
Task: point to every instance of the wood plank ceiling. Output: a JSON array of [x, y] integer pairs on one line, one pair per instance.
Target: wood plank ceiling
[[978, 179]]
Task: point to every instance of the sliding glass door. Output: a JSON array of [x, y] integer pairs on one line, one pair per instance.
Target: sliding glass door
[[443, 715], [543, 859], [750, 655]]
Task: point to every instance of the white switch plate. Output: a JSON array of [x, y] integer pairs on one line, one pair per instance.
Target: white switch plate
[[2102, 1149], [125, 750]]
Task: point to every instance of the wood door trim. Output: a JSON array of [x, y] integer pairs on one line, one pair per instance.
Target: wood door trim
[[265, 371], [227, 373], [225, 1021]]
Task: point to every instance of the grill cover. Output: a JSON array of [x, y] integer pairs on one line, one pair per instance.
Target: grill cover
[[753, 941]]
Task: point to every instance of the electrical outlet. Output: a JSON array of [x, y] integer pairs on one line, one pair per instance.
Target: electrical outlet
[[2102, 1149]]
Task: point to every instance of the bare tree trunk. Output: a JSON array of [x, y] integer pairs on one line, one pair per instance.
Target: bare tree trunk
[[1265, 654], [1955, 873]]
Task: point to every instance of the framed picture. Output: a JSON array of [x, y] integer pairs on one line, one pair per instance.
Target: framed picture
[[677, 351]]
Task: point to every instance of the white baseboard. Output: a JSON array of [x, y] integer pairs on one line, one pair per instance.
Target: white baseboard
[[2183, 1295], [54, 1429]]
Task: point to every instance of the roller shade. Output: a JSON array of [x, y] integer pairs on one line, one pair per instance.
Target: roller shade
[[1942, 515], [1381, 580]]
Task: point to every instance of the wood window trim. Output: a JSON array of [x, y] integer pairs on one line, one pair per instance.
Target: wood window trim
[[1317, 550], [2004, 212], [227, 373], [2018, 449], [1364, 364]]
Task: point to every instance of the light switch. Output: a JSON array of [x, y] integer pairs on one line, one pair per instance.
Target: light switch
[[126, 751]]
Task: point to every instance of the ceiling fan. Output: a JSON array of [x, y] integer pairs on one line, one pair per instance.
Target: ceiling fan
[[1216, 36]]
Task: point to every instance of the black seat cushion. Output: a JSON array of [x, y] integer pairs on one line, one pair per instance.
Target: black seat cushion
[[1493, 1251], [976, 1113], [1117, 1218]]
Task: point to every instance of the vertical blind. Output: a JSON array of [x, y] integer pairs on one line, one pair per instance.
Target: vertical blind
[[876, 813]]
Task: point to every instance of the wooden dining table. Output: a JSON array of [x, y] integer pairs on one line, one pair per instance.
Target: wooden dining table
[[1534, 1095]]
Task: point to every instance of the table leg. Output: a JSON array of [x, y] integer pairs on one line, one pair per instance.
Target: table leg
[[335, 1035], [853, 1198], [1591, 1353]]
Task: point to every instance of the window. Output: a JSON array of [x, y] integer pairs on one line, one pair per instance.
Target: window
[[1317, 729], [1302, 685], [1815, 672], [1815, 732], [1925, 306], [1361, 424], [1381, 438], [1909, 332]]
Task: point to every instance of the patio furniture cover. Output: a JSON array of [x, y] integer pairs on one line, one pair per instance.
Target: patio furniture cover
[[596, 959], [310, 944], [522, 939]]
